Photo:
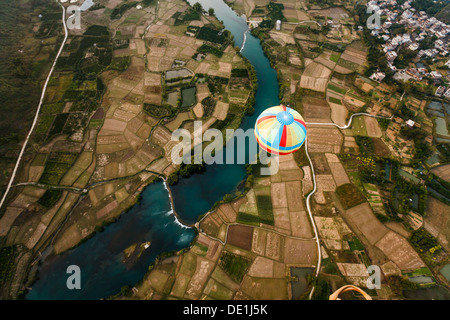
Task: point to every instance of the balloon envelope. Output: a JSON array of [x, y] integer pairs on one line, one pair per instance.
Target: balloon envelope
[[280, 130]]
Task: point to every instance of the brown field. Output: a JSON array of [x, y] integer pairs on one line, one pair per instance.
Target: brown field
[[261, 268], [8, 219], [278, 193], [442, 171], [294, 196], [320, 163], [281, 220], [273, 245], [338, 114], [282, 38], [221, 110], [324, 183], [265, 289], [203, 68], [437, 221], [176, 123], [342, 70], [227, 212], [240, 236], [362, 219], [300, 252], [324, 139], [300, 224], [399, 251], [259, 241], [337, 169], [114, 125], [316, 110], [198, 280], [324, 59], [315, 77], [354, 55], [372, 127], [161, 136]]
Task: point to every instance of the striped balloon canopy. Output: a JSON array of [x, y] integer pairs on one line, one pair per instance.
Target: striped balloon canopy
[[280, 130]]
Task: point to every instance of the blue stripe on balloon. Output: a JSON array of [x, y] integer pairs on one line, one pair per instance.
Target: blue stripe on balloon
[[301, 126]]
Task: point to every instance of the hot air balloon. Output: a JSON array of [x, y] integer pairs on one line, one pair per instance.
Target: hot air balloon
[[280, 130]]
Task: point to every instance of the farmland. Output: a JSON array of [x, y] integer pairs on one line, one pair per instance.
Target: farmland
[[131, 77], [116, 94]]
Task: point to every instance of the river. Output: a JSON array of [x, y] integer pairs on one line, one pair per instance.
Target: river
[[100, 258]]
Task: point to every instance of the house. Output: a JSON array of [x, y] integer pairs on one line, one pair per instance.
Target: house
[[447, 93], [378, 76], [439, 91], [413, 46], [391, 55], [435, 75], [410, 123]]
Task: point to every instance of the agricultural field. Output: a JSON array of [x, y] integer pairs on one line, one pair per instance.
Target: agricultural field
[[132, 76], [117, 92]]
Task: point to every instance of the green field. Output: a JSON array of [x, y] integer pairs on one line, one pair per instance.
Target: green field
[[264, 203], [337, 89], [235, 266], [335, 100]]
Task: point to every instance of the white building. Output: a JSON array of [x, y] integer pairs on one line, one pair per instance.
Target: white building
[[278, 25]]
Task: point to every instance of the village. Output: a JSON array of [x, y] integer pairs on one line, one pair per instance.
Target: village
[[415, 31]]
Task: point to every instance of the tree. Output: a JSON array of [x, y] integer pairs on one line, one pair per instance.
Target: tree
[[125, 290], [211, 11], [198, 7]]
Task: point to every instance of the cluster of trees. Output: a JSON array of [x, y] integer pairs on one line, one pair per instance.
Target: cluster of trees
[[421, 149], [423, 241], [212, 35], [7, 258], [365, 144], [185, 170], [120, 9], [429, 6], [404, 57], [375, 57]]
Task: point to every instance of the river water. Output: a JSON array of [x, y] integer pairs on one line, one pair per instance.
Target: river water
[[100, 258], [195, 195]]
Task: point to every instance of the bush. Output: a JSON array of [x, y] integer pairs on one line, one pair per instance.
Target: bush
[[125, 290], [49, 198], [158, 111]]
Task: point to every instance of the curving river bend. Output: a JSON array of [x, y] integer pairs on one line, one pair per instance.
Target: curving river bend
[[100, 258]]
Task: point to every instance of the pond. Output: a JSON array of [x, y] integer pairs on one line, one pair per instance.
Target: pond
[[440, 111], [181, 73], [431, 293], [299, 287], [408, 176], [446, 271], [421, 279], [187, 97]]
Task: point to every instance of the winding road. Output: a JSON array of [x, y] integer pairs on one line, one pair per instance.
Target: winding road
[[44, 90]]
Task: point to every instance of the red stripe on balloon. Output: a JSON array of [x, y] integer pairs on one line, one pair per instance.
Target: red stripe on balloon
[[283, 137], [265, 118], [301, 122]]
